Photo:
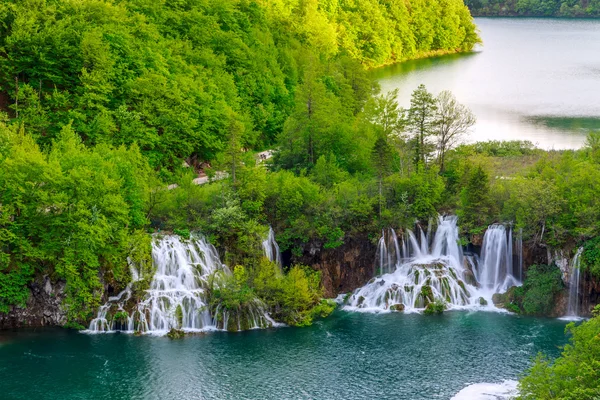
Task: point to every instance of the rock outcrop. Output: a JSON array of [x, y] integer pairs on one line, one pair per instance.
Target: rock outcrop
[[43, 308], [342, 269]]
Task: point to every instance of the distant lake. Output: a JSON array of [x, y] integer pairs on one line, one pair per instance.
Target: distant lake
[[533, 79]]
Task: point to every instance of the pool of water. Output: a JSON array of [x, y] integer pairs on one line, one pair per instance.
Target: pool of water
[[346, 356]]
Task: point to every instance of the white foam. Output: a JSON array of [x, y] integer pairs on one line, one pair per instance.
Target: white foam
[[488, 391]]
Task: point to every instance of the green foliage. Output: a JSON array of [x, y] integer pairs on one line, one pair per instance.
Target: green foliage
[[68, 212], [421, 124], [192, 81], [590, 258], [436, 307], [183, 233], [476, 206], [539, 290], [535, 8], [294, 298], [230, 292], [495, 148], [574, 375]]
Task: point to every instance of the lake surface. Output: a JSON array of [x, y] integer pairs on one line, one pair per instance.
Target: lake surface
[[347, 356], [533, 79]]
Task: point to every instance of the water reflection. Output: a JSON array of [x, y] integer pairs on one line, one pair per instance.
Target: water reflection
[[535, 79]]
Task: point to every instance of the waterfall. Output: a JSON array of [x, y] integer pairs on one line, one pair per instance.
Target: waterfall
[[271, 248], [495, 271], [574, 300], [427, 274], [388, 252], [434, 268], [178, 295]]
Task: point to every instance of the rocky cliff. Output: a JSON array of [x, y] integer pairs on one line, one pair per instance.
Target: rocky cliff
[[342, 269], [43, 308]]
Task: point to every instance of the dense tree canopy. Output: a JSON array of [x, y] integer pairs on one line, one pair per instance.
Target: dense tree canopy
[[167, 75], [103, 101]]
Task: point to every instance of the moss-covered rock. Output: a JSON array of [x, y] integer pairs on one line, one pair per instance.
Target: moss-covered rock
[[436, 307], [426, 295], [361, 300], [397, 307], [175, 333], [179, 316], [347, 298], [482, 301]]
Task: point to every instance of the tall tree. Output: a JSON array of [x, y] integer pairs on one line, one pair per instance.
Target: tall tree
[[421, 123], [234, 145], [452, 123], [381, 155]]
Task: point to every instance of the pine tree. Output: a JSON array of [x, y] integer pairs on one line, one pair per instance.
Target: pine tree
[[421, 123]]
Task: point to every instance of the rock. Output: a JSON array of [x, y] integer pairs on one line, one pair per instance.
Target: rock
[[436, 307], [469, 277], [482, 301], [175, 333], [43, 306], [361, 300], [48, 286], [426, 295], [344, 268], [499, 298], [397, 307]]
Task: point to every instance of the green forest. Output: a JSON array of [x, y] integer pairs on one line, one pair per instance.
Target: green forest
[[106, 103], [534, 8], [110, 108]]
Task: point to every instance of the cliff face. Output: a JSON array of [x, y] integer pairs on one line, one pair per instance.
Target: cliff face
[[342, 269], [43, 308]]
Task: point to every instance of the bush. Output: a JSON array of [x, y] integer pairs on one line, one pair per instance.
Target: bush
[[437, 307], [575, 375], [590, 258], [541, 285]]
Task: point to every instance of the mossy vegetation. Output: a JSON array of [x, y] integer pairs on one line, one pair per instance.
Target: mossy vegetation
[[436, 307]]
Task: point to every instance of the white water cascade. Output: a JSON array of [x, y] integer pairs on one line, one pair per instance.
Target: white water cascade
[[178, 297], [416, 272], [495, 270], [271, 248], [574, 298]]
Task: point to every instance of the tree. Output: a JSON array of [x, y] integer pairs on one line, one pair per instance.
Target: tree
[[575, 374], [593, 144], [381, 155], [475, 201], [453, 122], [234, 145], [387, 114], [421, 123]]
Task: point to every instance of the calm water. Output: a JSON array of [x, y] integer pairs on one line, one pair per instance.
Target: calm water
[[533, 79], [347, 356]]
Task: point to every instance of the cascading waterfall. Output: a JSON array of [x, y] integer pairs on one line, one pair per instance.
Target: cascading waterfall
[[434, 268], [388, 252], [574, 299], [271, 248], [495, 270], [178, 295]]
